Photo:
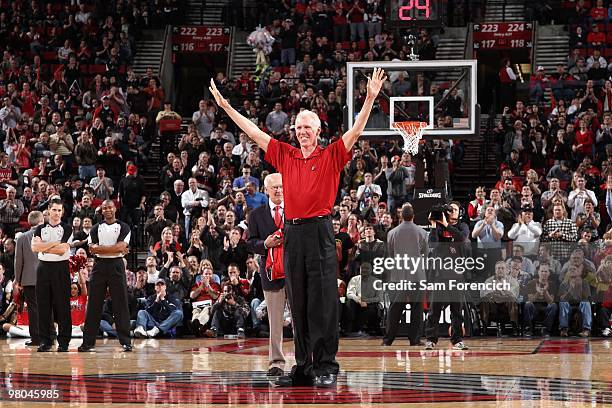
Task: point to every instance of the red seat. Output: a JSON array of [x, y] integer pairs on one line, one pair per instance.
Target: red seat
[[48, 56], [95, 69], [362, 45]]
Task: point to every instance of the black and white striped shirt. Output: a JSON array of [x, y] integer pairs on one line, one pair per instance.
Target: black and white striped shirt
[[109, 234], [58, 233]]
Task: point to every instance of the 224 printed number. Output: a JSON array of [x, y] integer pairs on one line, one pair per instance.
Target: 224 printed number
[[33, 394]]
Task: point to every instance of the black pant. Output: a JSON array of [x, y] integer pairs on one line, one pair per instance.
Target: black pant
[[107, 273], [29, 295], [356, 317], [310, 274], [53, 295], [224, 323], [394, 315], [433, 321]]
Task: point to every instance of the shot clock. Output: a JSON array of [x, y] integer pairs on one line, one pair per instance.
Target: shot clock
[[408, 13]]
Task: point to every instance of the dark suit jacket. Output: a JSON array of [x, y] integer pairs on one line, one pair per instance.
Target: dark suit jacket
[[261, 224], [26, 261]]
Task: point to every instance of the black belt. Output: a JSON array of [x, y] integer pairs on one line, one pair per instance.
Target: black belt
[[299, 221]]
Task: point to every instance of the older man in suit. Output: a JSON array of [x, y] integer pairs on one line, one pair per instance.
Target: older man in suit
[[264, 223], [26, 262], [406, 239]]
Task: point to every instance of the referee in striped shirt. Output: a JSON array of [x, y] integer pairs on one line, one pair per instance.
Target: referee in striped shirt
[[52, 243], [108, 241]]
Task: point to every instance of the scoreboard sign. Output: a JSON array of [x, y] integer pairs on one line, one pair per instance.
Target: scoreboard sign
[[200, 39], [503, 36]]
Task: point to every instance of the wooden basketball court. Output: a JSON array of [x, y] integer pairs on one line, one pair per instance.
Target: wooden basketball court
[[503, 372]]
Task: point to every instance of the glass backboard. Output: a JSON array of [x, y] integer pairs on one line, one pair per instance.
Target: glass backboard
[[417, 90]]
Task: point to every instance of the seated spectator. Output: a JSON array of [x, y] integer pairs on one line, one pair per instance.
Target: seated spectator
[[541, 296], [229, 314], [537, 85], [162, 313], [596, 39], [603, 297], [500, 305], [518, 271], [574, 292], [578, 39], [362, 304], [578, 260], [204, 293]]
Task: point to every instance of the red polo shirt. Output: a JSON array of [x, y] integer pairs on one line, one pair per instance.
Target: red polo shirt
[[310, 184]]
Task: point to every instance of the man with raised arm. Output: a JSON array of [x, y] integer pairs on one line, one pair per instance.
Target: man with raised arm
[[310, 180]]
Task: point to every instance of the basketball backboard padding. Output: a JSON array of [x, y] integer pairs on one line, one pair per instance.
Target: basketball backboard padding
[[454, 79]]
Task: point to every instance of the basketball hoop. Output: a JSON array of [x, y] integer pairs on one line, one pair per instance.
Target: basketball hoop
[[412, 133]]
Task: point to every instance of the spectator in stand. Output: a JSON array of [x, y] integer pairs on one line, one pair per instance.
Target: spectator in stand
[[507, 79], [537, 85], [552, 192], [598, 13], [559, 230], [132, 196], [561, 172], [253, 197], [162, 313], [193, 201], [596, 57], [240, 183], [541, 295], [596, 39], [102, 185], [574, 292], [167, 113], [578, 197], [526, 231], [204, 293], [583, 142], [86, 155], [229, 314], [204, 118], [11, 209]]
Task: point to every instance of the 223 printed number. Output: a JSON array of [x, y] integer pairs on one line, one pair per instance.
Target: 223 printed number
[[32, 394]]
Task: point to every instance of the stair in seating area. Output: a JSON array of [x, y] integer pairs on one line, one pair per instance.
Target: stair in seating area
[[505, 10], [212, 14], [469, 174], [149, 50], [451, 46], [243, 56]]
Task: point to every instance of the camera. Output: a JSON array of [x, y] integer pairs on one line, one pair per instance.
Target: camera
[[437, 211]]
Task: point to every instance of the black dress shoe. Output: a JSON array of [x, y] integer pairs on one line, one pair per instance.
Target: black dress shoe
[[386, 343], [32, 343], [127, 348], [84, 348], [294, 381], [327, 380], [43, 348], [275, 372], [62, 349]]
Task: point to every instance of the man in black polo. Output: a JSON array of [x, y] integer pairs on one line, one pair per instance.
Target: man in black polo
[[108, 241], [52, 243]]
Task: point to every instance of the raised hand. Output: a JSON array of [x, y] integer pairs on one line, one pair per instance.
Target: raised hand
[[221, 101], [375, 82]]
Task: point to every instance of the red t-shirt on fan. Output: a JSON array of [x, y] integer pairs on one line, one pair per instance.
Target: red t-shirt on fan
[[77, 309]]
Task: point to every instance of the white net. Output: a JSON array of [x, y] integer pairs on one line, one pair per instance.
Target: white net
[[412, 133]]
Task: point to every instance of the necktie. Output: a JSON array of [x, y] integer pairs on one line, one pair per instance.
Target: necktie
[[278, 219]]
